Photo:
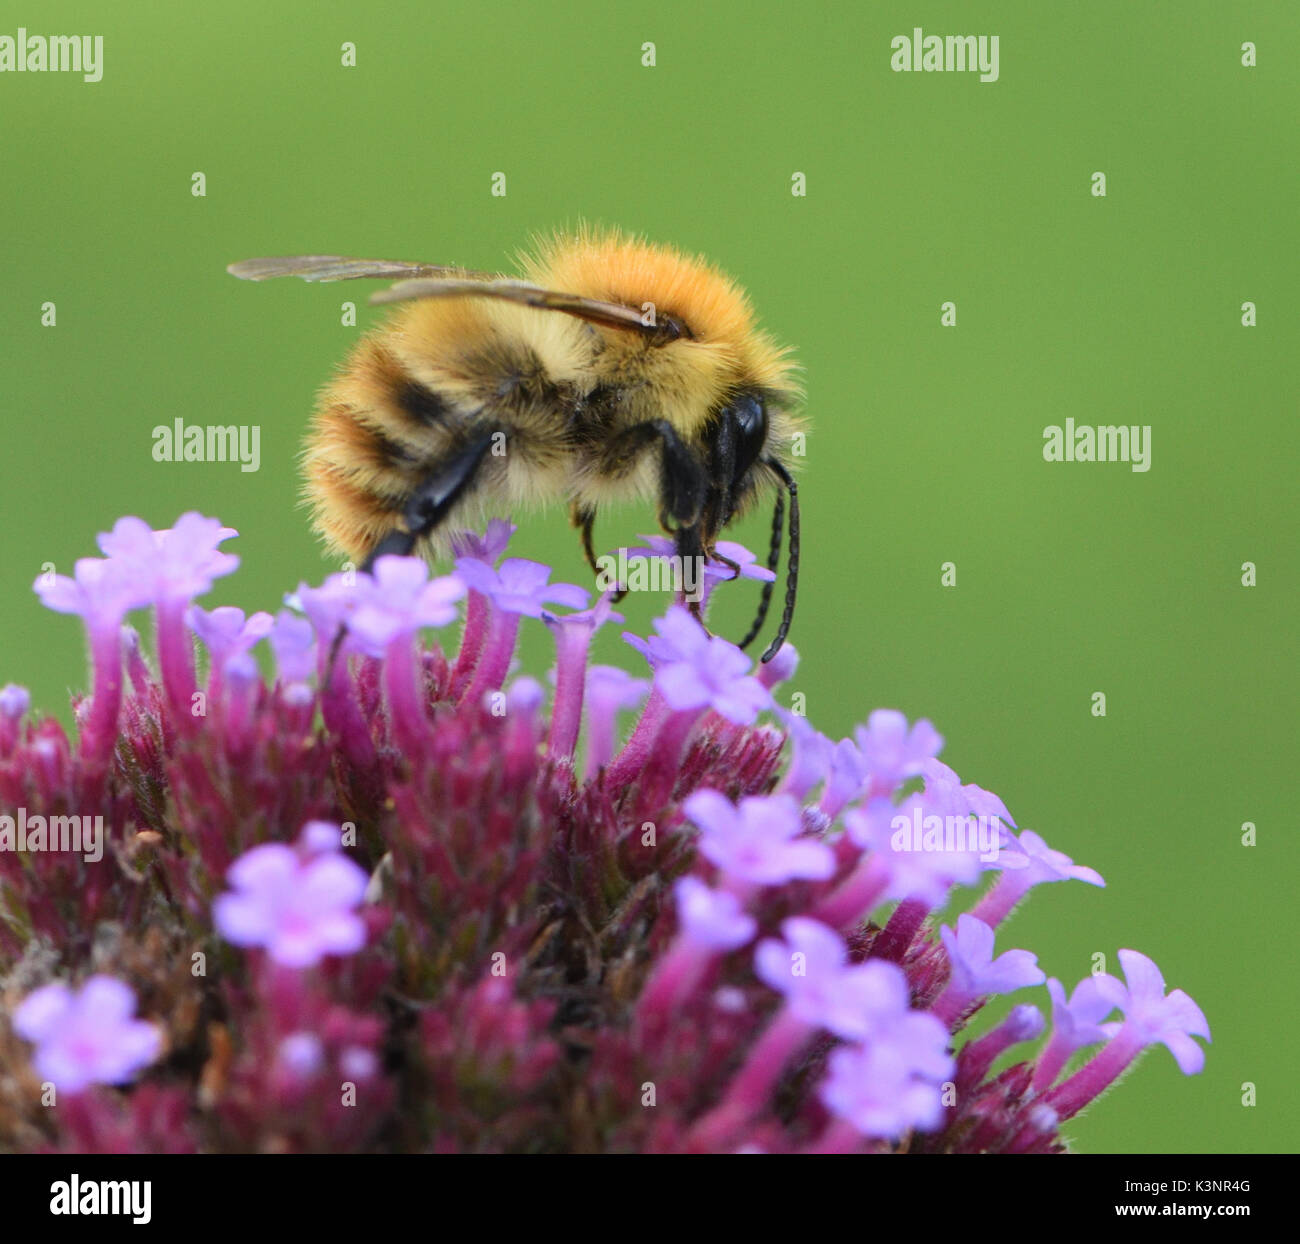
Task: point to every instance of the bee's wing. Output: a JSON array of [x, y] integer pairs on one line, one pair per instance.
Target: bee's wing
[[342, 268], [435, 281], [613, 314]]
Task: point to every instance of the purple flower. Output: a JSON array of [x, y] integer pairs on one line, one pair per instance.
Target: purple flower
[[810, 756], [298, 909], [301, 1055], [944, 787], [401, 599], [519, 586], [974, 969], [615, 686], [912, 844], [293, 641], [226, 633], [98, 592], [811, 970], [1048, 865], [358, 1063], [892, 751], [846, 776], [1152, 1017], [781, 667], [14, 701], [714, 571], [487, 547], [875, 1088], [331, 605], [758, 840], [178, 563], [1036, 864], [1078, 1021], [1149, 1017], [1075, 1024], [738, 553], [695, 670], [87, 1037], [679, 638], [711, 919]]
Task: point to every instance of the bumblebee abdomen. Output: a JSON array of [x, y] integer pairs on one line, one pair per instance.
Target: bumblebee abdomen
[[396, 412]]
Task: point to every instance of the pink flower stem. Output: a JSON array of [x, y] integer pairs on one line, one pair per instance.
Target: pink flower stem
[[632, 758], [100, 735], [1096, 1076], [979, 1055], [856, 895], [341, 713], [240, 710], [750, 1088], [900, 931], [838, 1136], [404, 684], [477, 613], [494, 661], [663, 765], [572, 643], [602, 722], [176, 661], [950, 1004], [998, 903], [677, 975], [1055, 1054]]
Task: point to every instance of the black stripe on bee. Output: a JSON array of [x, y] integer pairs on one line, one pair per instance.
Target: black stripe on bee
[[422, 404]]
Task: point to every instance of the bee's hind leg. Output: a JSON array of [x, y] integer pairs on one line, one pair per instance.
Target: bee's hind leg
[[433, 498]]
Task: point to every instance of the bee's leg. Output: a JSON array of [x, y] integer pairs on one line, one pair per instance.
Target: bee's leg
[[773, 557], [724, 560], [584, 517], [433, 498], [690, 552]]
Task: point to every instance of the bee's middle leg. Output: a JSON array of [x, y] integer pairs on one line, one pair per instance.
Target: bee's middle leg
[[433, 498]]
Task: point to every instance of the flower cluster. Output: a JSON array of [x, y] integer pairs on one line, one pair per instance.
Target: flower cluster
[[390, 899]]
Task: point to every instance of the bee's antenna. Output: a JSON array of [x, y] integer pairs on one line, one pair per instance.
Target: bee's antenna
[[773, 556], [792, 567]]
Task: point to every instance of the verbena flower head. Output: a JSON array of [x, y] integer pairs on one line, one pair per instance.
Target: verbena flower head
[[495, 908]]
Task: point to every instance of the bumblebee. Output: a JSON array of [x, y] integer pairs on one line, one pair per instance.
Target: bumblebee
[[612, 369]]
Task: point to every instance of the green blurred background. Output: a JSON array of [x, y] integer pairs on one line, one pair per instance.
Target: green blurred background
[[927, 441]]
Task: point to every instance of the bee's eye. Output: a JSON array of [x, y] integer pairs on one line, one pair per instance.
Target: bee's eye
[[750, 416]]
